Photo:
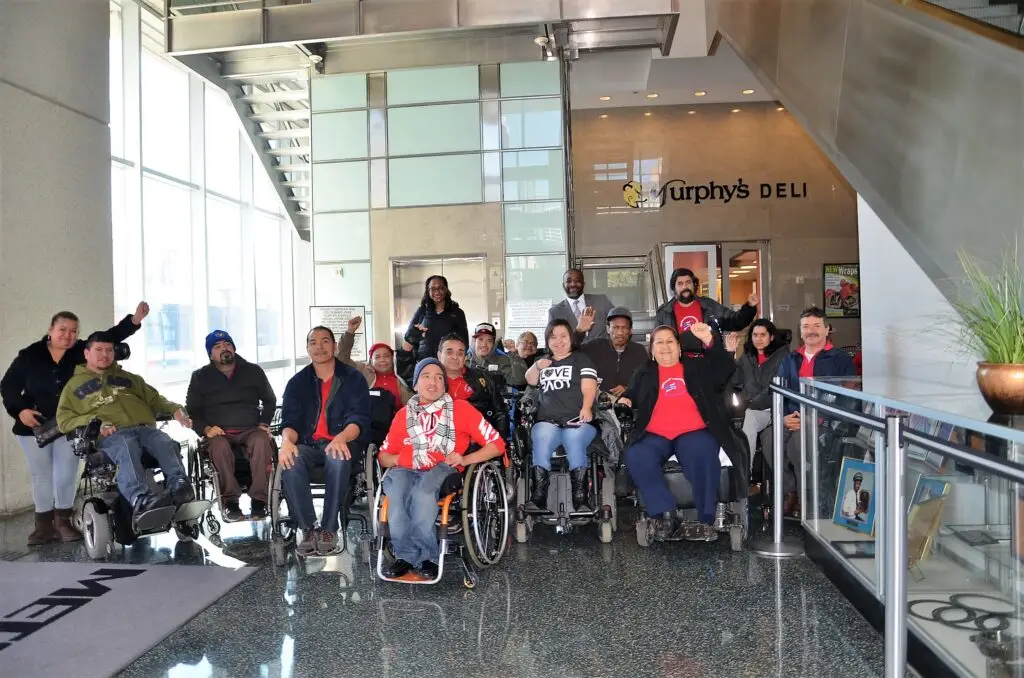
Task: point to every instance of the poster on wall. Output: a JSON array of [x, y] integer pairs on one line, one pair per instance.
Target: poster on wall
[[336, 318], [842, 290]]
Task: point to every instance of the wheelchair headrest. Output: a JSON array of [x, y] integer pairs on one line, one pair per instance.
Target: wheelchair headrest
[[785, 336], [122, 351]]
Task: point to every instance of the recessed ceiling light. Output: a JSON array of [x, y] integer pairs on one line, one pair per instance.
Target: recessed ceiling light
[[605, 98], [692, 112], [652, 95], [780, 108], [748, 267], [699, 93], [604, 115], [735, 110], [647, 114], [747, 91]]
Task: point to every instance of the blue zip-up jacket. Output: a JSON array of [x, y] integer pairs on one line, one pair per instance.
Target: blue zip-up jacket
[[832, 362], [348, 403]]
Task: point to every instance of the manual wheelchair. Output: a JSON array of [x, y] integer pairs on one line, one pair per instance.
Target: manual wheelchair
[[104, 516], [472, 523]]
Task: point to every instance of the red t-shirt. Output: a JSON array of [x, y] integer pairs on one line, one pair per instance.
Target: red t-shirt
[[688, 316], [388, 382], [807, 364], [321, 432], [458, 389], [470, 426], [675, 412], [761, 358]]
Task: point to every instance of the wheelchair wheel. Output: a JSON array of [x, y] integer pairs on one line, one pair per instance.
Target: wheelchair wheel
[[370, 473], [99, 536], [187, 532], [485, 513], [606, 531], [643, 537]]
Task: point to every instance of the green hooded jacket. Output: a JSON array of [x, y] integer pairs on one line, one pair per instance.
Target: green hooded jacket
[[115, 397]]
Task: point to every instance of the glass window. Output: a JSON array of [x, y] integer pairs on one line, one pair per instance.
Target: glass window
[[339, 136], [532, 175], [123, 244], [531, 123], [167, 257], [272, 247], [116, 85], [534, 227], [534, 284], [264, 194], [222, 143], [335, 92], [437, 180], [531, 78], [423, 85], [341, 236], [165, 109], [224, 283], [342, 285], [302, 290], [341, 186], [421, 130]]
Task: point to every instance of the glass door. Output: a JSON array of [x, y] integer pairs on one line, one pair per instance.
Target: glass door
[[745, 271], [701, 259]]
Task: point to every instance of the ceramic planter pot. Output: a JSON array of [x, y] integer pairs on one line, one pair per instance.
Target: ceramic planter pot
[[1002, 386]]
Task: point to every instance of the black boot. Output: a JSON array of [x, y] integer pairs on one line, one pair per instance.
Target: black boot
[[539, 496], [666, 526], [578, 479]]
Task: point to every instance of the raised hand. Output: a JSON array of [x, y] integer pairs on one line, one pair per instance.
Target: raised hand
[[354, 322], [703, 332]]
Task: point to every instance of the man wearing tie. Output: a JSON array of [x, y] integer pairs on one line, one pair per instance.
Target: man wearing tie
[[575, 303]]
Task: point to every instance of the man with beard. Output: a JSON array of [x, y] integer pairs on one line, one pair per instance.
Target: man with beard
[[232, 404], [576, 303], [686, 308]]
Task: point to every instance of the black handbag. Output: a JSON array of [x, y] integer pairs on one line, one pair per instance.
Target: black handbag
[[46, 432]]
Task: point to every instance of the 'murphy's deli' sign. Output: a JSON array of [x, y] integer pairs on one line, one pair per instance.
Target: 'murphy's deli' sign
[[678, 190]]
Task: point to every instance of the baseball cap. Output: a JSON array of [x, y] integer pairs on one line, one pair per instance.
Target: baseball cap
[[619, 312], [484, 328], [858, 476]]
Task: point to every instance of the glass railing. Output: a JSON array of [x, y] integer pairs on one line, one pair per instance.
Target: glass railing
[[1005, 16], [956, 474]]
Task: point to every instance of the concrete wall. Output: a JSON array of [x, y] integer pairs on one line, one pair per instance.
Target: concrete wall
[[55, 237], [758, 144]]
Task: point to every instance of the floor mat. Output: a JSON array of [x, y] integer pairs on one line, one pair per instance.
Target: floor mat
[[93, 619]]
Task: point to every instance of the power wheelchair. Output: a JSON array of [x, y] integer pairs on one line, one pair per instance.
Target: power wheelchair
[[104, 516], [559, 511]]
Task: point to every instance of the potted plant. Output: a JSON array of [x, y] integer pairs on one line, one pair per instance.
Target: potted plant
[[992, 327]]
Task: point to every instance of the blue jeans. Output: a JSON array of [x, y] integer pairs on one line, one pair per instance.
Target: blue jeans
[[697, 454], [54, 471], [300, 496], [547, 437], [125, 447], [412, 511]]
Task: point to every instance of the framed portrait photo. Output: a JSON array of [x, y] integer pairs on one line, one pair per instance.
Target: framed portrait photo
[[855, 496]]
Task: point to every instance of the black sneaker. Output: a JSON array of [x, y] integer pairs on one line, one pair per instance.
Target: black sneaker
[[307, 546], [181, 491], [232, 512], [258, 510], [399, 568], [429, 569], [149, 502]]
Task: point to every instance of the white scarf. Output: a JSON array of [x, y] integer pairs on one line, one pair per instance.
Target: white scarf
[[442, 437]]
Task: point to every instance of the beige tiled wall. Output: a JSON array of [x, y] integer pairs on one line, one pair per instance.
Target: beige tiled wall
[[758, 144], [427, 232]]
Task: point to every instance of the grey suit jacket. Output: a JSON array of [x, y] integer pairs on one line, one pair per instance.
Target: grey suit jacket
[[601, 305]]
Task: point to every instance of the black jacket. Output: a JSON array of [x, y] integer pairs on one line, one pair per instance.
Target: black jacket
[[726, 319], [487, 399], [753, 379], [706, 375], [452, 320], [347, 403], [614, 368], [831, 362], [241, 402], [34, 381]]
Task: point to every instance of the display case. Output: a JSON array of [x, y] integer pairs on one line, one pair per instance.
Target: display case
[[964, 515]]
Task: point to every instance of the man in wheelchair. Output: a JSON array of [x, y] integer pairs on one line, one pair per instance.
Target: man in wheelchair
[[127, 408], [427, 443], [476, 386]]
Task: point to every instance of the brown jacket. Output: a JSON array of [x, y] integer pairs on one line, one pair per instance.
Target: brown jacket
[[344, 354]]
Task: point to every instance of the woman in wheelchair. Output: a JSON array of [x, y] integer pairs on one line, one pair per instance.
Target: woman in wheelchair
[[679, 410], [427, 443], [565, 408]]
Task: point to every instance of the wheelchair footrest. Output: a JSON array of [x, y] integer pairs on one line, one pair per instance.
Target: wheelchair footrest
[[192, 510]]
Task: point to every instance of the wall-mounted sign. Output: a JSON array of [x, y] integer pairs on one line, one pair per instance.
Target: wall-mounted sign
[[336, 318], [635, 195], [842, 290]]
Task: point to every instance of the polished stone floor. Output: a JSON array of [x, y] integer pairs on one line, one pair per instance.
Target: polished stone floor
[[558, 606]]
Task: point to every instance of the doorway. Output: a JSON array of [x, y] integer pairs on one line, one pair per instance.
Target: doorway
[[746, 270], [467, 280]]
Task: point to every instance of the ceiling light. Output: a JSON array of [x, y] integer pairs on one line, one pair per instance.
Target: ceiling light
[[647, 114], [699, 93], [734, 275], [604, 115], [747, 91], [652, 95], [748, 267], [780, 108], [692, 112], [735, 110], [605, 98]]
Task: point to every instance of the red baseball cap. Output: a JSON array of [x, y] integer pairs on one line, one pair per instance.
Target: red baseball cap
[[379, 345]]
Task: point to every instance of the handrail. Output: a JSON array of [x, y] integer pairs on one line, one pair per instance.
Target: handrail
[[1004, 468], [1005, 36]]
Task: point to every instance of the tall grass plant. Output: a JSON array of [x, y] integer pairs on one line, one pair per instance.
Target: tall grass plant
[[991, 309]]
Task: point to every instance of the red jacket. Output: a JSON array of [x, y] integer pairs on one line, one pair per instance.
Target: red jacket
[[470, 427]]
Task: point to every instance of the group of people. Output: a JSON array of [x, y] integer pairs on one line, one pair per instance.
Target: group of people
[[450, 409]]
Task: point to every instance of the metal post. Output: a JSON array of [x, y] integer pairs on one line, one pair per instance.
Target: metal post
[[778, 547], [896, 548]]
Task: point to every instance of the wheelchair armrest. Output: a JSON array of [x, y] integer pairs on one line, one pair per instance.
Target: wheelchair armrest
[[83, 439]]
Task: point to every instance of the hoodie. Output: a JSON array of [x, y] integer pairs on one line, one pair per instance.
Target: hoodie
[[114, 396]]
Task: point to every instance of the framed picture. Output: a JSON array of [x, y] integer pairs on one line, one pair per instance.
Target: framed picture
[[855, 549], [842, 290], [929, 488], [855, 498]]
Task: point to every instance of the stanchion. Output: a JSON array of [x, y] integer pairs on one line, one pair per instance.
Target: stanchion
[[895, 572], [778, 547]]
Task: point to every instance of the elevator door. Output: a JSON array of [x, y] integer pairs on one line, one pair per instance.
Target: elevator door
[[467, 280]]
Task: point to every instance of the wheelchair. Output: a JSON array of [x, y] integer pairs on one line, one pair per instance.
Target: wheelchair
[[559, 510], [472, 523], [104, 516]]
